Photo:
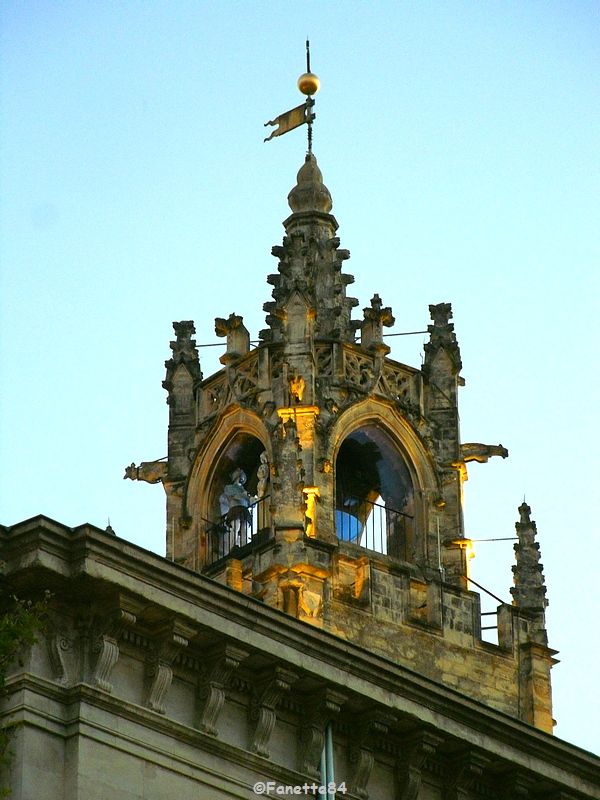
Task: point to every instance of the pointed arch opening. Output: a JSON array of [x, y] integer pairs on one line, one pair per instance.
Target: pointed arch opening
[[375, 493], [236, 498]]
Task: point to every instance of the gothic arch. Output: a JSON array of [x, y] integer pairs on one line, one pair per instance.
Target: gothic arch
[[381, 468], [236, 441]]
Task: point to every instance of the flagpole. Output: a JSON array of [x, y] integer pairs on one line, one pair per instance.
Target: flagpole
[[309, 131], [308, 83]]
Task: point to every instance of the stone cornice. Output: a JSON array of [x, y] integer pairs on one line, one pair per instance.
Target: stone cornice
[[43, 546], [79, 697]]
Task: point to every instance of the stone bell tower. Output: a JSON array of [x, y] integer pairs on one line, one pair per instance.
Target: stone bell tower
[[318, 475]]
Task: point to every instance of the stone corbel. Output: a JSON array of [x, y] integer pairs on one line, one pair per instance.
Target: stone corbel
[[361, 756], [464, 771], [516, 786], [267, 693], [414, 750], [219, 666], [170, 642], [322, 709], [61, 655], [106, 645]]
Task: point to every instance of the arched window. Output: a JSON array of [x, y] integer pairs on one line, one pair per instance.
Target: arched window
[[236, 513], [374, 494]]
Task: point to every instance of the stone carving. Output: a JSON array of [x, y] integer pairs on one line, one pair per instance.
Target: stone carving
[[516, 786], [211, 691], [310, 264], [441, 335], [235, 502], [473, 451], [108, 656], [310, 603], [184, 352], [394, 383], [463, 774], [414, 751], [324, 358], [297, 386], [148, 471], [358, 369], [238, 338], [246, 376], [60, 653], [263, 473], [529, 590], [107, 648], [160, 665], [322, 709], [267, 693], [362, 761], [361, 756], [375, 318]]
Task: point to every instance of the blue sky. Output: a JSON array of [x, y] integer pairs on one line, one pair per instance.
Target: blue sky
[[460, 143]]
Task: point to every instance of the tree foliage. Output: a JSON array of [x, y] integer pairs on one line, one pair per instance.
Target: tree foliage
[[20, 623]]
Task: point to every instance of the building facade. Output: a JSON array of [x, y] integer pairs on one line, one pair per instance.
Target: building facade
[[313, 622]]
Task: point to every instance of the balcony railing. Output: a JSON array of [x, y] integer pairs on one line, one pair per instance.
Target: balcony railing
[[375, 527], [236, 529]]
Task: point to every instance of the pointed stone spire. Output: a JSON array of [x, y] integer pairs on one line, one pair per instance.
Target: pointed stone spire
[[310, 193], [181, 382], [442, 336], [310, 264], [184, 352], [374, 320], [529, 590]]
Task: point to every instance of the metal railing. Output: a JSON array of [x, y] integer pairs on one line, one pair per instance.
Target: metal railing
[[375, 527], [237, 529]]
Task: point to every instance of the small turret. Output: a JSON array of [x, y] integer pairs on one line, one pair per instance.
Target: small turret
[[310, 266], [529, 590], [371, 330], [441, 337]]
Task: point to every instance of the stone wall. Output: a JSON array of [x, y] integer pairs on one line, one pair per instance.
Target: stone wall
[[154, 682]]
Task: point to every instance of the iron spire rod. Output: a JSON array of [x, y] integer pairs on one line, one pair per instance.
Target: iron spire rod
[[308, 100]]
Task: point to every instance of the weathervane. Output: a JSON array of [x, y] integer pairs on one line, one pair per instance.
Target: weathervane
[[309, 84]]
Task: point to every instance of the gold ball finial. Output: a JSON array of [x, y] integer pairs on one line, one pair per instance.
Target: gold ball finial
[[309, 83]]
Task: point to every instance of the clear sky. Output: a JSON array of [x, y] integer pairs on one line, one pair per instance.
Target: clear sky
[[460, 142]]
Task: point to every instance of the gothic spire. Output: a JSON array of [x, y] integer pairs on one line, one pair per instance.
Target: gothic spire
[[310, 264], [529, 590]]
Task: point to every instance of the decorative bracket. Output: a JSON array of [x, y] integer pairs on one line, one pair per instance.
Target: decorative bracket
[[414, 750], [60, 653], [374, 723], [322, 709], [220, 664], [267, 693], [464, 771], [106, 644], [170, 642]]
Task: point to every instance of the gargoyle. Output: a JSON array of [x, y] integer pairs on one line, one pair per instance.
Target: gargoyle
[[149, 471], [297, 387], [474, 451]]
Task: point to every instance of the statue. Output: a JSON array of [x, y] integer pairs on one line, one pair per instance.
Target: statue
[[235, 502], [262, 474], [297, 386]]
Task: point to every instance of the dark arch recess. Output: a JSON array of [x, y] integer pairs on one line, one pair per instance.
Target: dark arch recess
[[370, 469], [242, 450]]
